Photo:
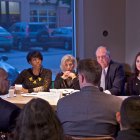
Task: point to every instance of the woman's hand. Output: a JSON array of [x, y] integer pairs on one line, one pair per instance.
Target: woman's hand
[[72, 75], [67, 74], [23, 90]]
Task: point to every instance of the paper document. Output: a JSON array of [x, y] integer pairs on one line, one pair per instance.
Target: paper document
[[51, 97]]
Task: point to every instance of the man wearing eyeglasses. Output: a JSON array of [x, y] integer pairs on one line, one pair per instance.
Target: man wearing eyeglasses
[[113, 76]]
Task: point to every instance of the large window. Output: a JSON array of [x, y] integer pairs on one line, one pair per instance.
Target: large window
[[44, 14], [9, 13], [46, 18]]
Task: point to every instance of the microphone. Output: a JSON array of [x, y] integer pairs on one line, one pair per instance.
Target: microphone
[[101, 89]]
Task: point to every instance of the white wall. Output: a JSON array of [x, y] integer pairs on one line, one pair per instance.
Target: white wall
[[132, 30], [96, 16]]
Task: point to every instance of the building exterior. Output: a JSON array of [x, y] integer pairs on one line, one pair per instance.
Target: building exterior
[[55, 15]]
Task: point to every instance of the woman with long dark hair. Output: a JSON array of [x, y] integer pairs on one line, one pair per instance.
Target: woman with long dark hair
[[133, 84], [37, 121]]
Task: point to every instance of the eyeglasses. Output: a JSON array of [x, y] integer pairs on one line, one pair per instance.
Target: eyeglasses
[[101, 57]]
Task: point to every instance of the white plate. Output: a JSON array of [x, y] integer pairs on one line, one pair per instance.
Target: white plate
[[64, 91]]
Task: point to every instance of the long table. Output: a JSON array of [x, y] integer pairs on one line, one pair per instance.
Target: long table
[[52, 97], [21, 100]]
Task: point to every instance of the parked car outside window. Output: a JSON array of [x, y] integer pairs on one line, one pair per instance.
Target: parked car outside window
[[63, 37], [36, 34], [6, 39], [27, 35]]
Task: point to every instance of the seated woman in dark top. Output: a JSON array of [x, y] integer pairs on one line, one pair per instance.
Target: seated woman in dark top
[[68, 77], [37, 78], [133, 83]]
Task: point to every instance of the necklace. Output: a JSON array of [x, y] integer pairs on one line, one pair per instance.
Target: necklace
[[35, 78]]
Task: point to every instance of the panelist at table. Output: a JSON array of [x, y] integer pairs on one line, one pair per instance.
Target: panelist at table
[[68, 77], [37, 78], [133, 83], [113, 76]]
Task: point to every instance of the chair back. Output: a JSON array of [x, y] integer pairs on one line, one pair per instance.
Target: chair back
[[89, 138]]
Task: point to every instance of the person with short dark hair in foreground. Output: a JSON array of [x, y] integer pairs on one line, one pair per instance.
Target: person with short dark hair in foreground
[[89, 112], [129, 119], [8, 111]]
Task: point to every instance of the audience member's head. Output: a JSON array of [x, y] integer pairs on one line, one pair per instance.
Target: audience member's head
[[129, 115], [103, 56], [4, 82], [68, 63], [137, 63], [89, 71], [38, 121], [34, 54]]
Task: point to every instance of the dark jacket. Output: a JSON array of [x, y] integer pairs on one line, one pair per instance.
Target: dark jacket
[[129, 135], [89, 113], [60, 83], [133, 86], [115, 79], [8, 115]]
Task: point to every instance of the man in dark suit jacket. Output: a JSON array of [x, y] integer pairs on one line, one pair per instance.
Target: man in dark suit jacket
[[89, 112], [114, 80], [8, 111]]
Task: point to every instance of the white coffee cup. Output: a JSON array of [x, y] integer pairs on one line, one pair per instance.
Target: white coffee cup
[[11, 92], [18, 86]]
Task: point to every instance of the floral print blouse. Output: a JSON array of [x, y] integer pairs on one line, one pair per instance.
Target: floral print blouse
[[35, 83]]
